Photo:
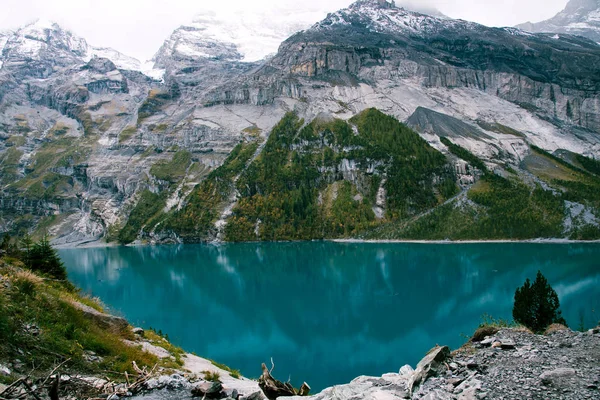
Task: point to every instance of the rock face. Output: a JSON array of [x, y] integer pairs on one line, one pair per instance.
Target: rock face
[[84, 133], [580, 17], [561, 365]]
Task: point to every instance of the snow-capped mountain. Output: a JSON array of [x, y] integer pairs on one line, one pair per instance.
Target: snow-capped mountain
[[580, 17], [417, 6], [46, 41], [235, 36], [494, 91], [381, 16]]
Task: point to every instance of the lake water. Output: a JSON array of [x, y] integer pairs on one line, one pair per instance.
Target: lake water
[[328, 312]]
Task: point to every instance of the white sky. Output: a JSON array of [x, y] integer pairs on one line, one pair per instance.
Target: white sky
[[138, 27]]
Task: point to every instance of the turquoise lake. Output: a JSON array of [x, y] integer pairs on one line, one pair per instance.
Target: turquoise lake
[[328, 312]]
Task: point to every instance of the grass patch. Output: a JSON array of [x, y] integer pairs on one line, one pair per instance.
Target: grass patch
[[160, 128], [233, 372], [174, 170], [126, 134], [548, 168], [16, 141], [9, 164], [148, 207], [212, 376], [499, 128]]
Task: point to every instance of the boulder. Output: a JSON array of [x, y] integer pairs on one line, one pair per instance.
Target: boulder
[[107, 321], [555, 376], [209, 390], [138, 331], [4, 370], [507, 344], [258, 395], [430, 365], [406, 370]]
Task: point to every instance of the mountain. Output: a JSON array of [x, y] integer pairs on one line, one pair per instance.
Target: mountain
[[420, 7], [248, 35], [580, 17], [46, 41], [375, 121]]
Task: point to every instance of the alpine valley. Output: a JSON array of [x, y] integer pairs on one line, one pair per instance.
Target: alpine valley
[[374, 123]]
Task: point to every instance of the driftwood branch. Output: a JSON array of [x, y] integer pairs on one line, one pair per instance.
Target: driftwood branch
[[272, 388]]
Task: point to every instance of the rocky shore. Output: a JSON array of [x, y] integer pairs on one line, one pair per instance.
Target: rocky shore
[[506, 364]]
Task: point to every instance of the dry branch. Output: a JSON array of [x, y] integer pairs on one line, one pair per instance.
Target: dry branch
[[272, 388]]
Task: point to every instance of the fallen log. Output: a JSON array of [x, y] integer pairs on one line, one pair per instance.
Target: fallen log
[[272, 388]]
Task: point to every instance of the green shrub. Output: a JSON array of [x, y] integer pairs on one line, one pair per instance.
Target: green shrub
[[537, 305], [212, 376]]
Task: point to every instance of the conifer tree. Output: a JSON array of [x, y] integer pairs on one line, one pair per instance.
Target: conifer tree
[[537, 305], [44, 258]]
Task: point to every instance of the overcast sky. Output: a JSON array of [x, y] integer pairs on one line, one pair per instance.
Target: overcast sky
[[138, 27]]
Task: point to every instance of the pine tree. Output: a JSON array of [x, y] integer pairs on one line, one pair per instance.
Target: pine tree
[[537, 305], [45, 259]]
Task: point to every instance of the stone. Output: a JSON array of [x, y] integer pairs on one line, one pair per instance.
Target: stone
[[555, 376], [507, 344], [437, 395], [456, 381], [259, 395], [138, 331], [406, 370], [107, 321], [209, 390], [4, 370], [429, 366]]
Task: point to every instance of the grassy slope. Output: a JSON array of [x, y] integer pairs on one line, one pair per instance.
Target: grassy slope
[[29, 302]]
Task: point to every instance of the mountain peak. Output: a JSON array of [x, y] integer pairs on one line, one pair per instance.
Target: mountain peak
[[579, 17], [43, 24], [582, 5], [373, 3]]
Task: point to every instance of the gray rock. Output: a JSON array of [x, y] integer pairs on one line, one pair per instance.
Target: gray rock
[[507, 344], [406, 370], [209, 390], [428, 366], [555, 376], [259, 395], [438, 395], [138, 331]]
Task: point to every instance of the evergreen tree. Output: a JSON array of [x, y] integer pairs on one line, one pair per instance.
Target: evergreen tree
[[26, 246], [536, 305], [44, 258]]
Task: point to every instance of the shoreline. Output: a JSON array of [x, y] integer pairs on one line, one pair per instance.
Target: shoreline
[[468, 241], [101, 244]]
